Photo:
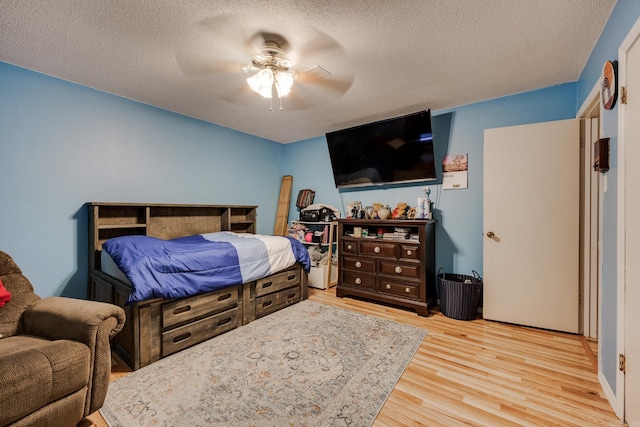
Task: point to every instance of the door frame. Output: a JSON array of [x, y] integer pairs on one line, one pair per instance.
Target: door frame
[[591, 226], [625, 46]]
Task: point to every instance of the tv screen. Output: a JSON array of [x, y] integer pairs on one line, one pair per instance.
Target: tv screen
[[397, 150]]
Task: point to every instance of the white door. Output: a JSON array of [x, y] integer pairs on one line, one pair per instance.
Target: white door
[[629, 156], [531, 225]]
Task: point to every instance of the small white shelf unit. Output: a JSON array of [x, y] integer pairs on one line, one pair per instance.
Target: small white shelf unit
[[328, 272]]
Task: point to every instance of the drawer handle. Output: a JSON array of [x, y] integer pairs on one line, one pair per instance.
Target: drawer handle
[[224, 297], [409, 252], [182, 337], [349, 247], [291, 296], [293, 276], [376, 249], [224, 321], [267, 304], [358, 264], [407, 290], [181, 310], [358, 281], [266, 285], [398, 269], [388, 286]]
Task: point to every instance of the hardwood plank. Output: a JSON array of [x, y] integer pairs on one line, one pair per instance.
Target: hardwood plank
[[483, 373]]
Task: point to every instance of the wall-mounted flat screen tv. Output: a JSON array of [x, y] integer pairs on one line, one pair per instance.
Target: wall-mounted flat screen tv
[[397, 150]]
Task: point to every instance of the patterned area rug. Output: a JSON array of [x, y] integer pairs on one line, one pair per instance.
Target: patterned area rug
[[306, 365]]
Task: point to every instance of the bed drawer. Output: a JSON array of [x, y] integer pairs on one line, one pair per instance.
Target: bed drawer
[[277, 300], [187, 309], [277, 282], [193, 333]]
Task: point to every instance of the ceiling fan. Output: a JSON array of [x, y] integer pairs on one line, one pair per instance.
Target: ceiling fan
[[268, 64]]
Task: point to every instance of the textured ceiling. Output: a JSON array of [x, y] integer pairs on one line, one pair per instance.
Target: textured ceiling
[[386, 58]]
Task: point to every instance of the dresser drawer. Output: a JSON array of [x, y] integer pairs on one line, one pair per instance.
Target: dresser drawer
[[187, 309], [410, 252], [359, 264], [277, 282], [404, 290], [357, 280], [378, 249], [275, 301], [192, 333], [400, 270], [349, 247]]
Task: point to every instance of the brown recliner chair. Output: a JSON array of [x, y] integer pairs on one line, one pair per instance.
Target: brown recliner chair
[[55, 357]]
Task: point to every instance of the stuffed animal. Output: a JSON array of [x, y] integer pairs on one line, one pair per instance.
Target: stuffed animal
[[316, 255], [376, 207], [400, 211]]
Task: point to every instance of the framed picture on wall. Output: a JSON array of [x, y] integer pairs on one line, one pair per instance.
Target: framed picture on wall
[[454, 171]]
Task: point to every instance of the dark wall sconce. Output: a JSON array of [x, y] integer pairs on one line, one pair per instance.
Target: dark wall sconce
[[601, 155]]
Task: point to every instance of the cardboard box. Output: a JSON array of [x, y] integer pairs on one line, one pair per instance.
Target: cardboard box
[[318, 276]]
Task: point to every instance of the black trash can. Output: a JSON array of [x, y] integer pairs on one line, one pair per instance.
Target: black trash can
[[460, 294]]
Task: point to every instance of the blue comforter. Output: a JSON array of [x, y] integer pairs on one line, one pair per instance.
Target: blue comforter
[[202, 263]]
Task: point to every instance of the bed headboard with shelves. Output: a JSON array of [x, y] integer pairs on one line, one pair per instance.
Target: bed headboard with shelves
[[165, 221]]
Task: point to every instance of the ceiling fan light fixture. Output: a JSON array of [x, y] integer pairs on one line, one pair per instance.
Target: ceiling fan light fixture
[[262, 82], [273, 75], [283, 82]]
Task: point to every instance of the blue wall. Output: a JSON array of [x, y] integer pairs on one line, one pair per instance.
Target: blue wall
[[456, 131], [623, 17], [62, 145]]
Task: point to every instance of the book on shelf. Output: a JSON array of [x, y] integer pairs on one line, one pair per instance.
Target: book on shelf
[[395, 236]]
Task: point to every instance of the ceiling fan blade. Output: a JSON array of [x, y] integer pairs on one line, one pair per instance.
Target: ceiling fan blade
[[294, 101], [228, 34], [314, 44], [237, 96], [320, 78], [201, 65]]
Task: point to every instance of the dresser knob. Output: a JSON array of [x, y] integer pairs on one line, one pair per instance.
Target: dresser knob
[[388, 286], [376, 249], [349, 247], [398, 269], [358, 280], [358, 264], [409, 252], [407, 290]]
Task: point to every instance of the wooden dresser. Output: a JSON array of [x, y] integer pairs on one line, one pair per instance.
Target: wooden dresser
[[398, 269]]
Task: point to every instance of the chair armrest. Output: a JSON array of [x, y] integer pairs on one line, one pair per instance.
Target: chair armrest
[[57, 318], [90, 322]]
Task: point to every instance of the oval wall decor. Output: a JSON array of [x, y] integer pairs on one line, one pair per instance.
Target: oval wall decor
[[609, 85]]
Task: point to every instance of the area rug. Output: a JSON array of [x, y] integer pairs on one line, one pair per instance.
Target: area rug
[[309, 364]]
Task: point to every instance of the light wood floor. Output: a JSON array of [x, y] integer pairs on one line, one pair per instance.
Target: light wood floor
[[482, 373]]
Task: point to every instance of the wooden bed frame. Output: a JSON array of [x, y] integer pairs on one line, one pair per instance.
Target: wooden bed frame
[[159, 327]]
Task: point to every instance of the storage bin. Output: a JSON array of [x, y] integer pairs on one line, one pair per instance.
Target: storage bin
[[318, 276], [459, 300]]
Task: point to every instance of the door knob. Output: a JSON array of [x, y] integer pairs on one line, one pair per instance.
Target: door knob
[[490, 234]]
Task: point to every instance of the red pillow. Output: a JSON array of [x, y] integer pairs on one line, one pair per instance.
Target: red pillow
[[5, 295]]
